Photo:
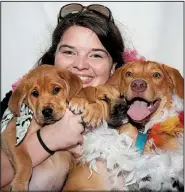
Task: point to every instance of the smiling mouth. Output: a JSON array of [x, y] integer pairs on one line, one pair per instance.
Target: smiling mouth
[[85, 79], [140, 109]]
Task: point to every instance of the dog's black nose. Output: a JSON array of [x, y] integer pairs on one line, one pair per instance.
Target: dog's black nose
[[47, 112], [138, 85]]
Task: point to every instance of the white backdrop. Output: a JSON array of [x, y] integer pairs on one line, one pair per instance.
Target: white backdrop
[[155, 29]]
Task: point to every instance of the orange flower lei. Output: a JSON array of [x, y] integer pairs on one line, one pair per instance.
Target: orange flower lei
[[171, 126]]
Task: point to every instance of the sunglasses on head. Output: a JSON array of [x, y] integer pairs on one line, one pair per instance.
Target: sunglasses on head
[[78, 8]]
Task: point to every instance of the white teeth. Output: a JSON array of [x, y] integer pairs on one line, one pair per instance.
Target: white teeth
[[150, 106], [84, 78]]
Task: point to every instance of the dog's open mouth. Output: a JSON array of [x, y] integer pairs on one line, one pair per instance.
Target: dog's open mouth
[[140, 109]]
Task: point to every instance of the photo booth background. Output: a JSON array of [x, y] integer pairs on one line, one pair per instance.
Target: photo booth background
[[154, 29]]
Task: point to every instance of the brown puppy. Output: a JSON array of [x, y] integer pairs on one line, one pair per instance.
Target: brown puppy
[[46, 90], [95, 104], [148, 84]]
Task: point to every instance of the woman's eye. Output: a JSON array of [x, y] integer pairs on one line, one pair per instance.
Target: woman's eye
[[156, 75], [68, 52], [35, 93], [56, 90], [96, 56], [128, 74]]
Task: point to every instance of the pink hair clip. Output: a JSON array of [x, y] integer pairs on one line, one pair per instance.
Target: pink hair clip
[[15, 84], [132, 55]]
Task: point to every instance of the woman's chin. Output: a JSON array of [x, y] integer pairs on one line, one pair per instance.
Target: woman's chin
[[88, 83], [94, 82]]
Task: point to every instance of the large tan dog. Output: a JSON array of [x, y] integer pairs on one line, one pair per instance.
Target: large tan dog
[[149, 88], [46, 90]]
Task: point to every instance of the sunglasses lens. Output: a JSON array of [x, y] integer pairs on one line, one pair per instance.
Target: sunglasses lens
[[71, 8], [76, 8], [100, 9]]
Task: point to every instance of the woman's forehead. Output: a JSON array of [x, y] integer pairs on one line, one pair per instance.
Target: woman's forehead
[[83, 37]]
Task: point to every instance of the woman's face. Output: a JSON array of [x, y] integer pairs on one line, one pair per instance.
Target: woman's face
[[80, 51]]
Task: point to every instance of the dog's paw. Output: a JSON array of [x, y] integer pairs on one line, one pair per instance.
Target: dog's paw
[[93, 115], [78, 105]]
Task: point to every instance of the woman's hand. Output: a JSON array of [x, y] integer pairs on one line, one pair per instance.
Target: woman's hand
[[65, 133]]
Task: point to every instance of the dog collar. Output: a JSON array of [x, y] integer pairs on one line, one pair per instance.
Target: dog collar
[[141, 141]]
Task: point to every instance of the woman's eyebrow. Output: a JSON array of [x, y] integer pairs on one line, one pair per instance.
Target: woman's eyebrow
[[68, 46]]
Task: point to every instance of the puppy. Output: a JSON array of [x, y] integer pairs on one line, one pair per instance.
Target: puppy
[[46, 90], [96, 104], [149, 89]]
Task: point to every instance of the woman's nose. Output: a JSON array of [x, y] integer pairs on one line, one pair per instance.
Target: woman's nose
[[81, 63]]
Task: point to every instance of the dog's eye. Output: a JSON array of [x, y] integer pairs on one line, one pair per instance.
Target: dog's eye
[[156, 75], [106, 99], [35, 93], [128, 74], [56, 90]]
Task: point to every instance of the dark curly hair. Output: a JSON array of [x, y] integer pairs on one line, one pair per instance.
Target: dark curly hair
[[107, 32]]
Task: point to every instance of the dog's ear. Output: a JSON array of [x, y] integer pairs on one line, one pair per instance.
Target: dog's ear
[[74, 83], [17, 98], [100, 92], [115, 79], [177, 80], [88, 93]]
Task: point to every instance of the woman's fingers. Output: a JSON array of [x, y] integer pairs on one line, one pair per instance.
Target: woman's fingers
[[69, 130]]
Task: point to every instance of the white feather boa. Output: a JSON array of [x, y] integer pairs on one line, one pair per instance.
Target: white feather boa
[[126, 166]]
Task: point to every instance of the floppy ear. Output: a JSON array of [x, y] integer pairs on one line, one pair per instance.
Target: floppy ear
[[88, 93], [100, 92], [74, 82], [17, 99], [177, 80], [115, 79]]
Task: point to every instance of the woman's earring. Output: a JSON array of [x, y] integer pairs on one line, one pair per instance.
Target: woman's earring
[[111, 72], [113, 69]]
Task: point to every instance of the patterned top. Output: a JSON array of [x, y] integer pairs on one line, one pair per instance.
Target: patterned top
[[22, 122]]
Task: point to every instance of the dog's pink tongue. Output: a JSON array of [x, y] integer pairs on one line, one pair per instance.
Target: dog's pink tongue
[[138, 110]]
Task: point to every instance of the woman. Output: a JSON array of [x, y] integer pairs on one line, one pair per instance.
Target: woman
[[87, 42]]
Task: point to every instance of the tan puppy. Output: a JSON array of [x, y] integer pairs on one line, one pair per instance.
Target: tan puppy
[[46, 90], [95, 104], [148, 84]]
